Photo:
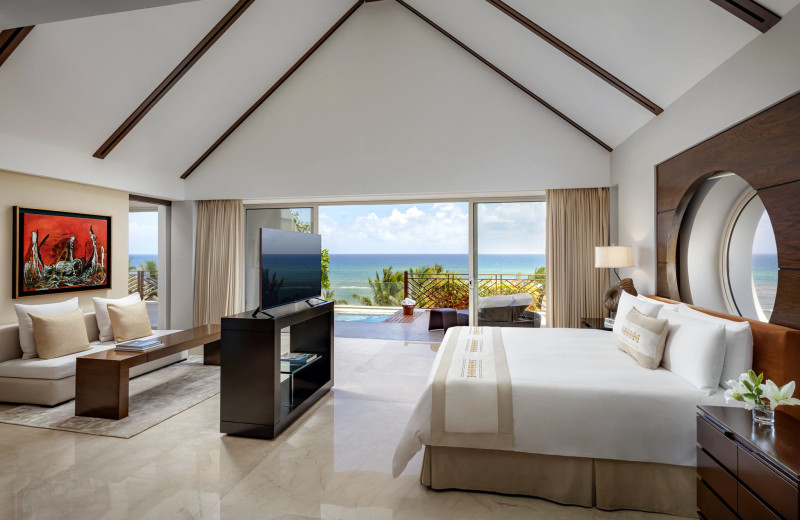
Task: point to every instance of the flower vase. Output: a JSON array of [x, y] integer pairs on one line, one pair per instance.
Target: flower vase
[[763, 415]]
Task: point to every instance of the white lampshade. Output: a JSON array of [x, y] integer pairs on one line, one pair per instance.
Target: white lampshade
[[612, 257]]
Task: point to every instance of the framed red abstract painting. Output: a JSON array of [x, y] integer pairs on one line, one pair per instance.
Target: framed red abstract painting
[[58, 251]]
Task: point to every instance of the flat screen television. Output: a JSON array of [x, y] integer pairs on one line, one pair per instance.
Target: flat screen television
[[291, 267]]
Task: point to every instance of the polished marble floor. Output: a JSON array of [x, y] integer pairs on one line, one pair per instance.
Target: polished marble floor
[[335, 463]]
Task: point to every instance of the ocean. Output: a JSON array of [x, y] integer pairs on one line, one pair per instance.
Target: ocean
[[349, 273], [135, 260], [765, 278]]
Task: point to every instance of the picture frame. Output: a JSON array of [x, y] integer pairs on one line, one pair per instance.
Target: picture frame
[[60, 252]]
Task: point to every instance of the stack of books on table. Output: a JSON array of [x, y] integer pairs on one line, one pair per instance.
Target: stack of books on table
[[294, 360], [139, 345]]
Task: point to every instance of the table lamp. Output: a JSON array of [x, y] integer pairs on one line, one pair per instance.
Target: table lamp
[[614, 257]]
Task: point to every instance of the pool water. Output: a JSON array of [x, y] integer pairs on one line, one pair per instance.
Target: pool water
[[373, 318]]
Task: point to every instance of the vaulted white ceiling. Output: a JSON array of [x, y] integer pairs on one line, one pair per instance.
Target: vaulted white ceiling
[[70, 84]]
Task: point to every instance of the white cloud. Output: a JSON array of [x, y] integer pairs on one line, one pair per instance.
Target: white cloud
[[429, 228]]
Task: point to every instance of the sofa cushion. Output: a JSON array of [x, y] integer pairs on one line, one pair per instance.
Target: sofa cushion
[[26, 340], [101, 310], [60, 335], [56, 368], [129, 322]]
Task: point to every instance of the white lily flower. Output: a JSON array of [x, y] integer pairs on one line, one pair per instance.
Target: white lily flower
[[779, 395]]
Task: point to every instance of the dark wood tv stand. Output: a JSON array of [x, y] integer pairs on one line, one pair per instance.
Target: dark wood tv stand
[[256, 398]]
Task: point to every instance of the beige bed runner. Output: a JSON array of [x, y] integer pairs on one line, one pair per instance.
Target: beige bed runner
[[471, 399]]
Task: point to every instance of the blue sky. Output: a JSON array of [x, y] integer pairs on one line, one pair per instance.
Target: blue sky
[[440, 228], [143, 233], [764, 241]]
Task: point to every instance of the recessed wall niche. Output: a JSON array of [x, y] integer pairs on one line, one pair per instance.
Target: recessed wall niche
[[727, 254], [763, 151]]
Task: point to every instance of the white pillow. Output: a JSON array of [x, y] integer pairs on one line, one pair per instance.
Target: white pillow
[[668, 306], [26, 339], [738, 343], [695, 350], [101, 312], [628, 302]]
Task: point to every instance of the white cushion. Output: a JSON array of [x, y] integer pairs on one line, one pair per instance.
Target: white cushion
[[26, 340], [56, 368], [521, 299], [695, 350], [668, 306], [490, 302], [101, 310], [628, 302], [738, 343]]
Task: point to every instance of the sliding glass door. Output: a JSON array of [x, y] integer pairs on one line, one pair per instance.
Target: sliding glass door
[[508, 263]]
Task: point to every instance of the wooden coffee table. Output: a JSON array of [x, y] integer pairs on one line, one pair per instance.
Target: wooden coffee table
[[101, 379]]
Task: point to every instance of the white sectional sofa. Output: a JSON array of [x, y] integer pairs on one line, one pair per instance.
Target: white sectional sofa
[[52, 381]]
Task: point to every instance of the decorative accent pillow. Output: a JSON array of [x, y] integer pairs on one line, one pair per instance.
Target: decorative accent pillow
[[643, 338], [101, 313], [738, 343], [27, 341], [60, 334], [695, 350], [129, 321], [628, 302]]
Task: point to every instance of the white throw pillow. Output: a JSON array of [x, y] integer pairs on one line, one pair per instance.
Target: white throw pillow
[[695, 349], [101, 312], [664, 305], [738, 343], [26, 339], [628, 302]]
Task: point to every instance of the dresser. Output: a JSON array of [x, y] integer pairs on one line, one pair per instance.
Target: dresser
[[745, 470]]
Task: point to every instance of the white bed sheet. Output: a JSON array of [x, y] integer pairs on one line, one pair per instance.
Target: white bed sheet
[[575, 394]]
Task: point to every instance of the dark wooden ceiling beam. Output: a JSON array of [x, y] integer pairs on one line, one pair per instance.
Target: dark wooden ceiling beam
[[149, 200], [172, 79], [506, 76], [577, 57], [10, 40], [751, 12], [272, 89]]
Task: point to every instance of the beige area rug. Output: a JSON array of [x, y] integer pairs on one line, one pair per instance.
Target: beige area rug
[[154, 398]]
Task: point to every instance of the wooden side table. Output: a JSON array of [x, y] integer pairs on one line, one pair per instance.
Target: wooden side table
[[594, 323], [745, 470]]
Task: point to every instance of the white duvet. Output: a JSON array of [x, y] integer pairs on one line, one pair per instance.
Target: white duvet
[[575, 394]]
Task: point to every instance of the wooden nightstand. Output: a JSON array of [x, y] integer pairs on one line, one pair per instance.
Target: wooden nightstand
[[745, 470], [594, 323]]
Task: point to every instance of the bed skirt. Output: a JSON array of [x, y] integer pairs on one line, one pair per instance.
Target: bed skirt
[[601, 483]]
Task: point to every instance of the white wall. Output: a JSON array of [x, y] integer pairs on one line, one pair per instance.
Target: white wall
[[762, 73], [390, 106], [34, 192]]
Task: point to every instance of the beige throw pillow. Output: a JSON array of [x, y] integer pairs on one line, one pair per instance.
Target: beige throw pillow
[[59, 334], [129, 321], [643, 338]]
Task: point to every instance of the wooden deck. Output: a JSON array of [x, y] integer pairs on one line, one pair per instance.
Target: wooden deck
[[398, 317]]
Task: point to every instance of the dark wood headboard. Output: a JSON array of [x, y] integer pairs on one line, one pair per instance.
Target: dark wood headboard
[[776, 350], [764, 151]]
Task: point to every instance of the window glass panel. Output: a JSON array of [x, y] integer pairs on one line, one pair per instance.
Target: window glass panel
[[289, 219]]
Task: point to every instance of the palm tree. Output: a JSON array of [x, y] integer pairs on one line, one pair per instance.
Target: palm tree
[[387, 289], [149, 266], [428, 269]]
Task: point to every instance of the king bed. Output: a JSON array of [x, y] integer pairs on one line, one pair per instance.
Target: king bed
[[563, 414]]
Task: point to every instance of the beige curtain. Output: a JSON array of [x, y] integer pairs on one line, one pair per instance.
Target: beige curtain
[[577, 221], [218, 260]]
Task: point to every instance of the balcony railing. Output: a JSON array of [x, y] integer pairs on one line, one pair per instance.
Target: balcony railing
[[145, 283], [452, 289]]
